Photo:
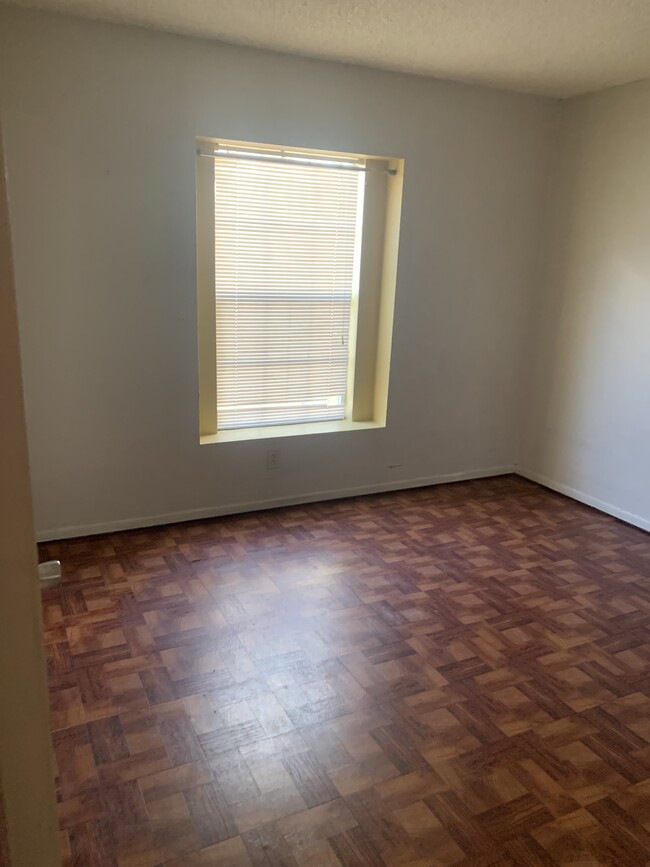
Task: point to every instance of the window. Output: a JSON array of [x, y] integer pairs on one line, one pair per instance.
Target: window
[[293, 275]]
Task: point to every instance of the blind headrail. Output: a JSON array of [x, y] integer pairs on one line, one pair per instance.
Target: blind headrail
[[299, 161]]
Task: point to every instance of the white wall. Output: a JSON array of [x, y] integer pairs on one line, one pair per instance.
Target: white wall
[[587, 428], [100, 124]]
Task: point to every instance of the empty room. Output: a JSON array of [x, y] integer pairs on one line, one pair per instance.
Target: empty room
[[325, 433]]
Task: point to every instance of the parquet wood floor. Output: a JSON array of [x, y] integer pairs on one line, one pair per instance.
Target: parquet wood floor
[[455, 675]]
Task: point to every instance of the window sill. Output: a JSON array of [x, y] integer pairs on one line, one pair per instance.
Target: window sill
[[288, 430]]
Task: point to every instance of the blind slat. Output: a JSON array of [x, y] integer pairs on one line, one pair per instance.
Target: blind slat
[[286, 257]]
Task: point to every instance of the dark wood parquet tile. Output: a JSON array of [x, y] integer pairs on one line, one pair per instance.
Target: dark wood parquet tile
[[457, 675]]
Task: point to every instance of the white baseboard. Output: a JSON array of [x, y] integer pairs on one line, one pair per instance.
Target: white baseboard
[[260, 505], [601, 505]]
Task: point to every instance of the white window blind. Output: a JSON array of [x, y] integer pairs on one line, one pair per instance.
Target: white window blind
[[287, 244]]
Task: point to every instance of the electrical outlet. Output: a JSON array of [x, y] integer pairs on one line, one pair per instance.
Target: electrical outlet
[[273, 459]]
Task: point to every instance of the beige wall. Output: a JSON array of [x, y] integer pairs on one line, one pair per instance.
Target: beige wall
[[587, 428], [100, 127], [26, 774]]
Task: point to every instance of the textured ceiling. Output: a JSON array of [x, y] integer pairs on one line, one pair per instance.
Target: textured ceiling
[[553, 47]]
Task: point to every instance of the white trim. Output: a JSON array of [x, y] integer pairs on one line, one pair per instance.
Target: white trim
[[56, 533], [594, 502]]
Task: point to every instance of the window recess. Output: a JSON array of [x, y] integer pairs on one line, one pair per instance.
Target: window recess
[[296, 255]]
